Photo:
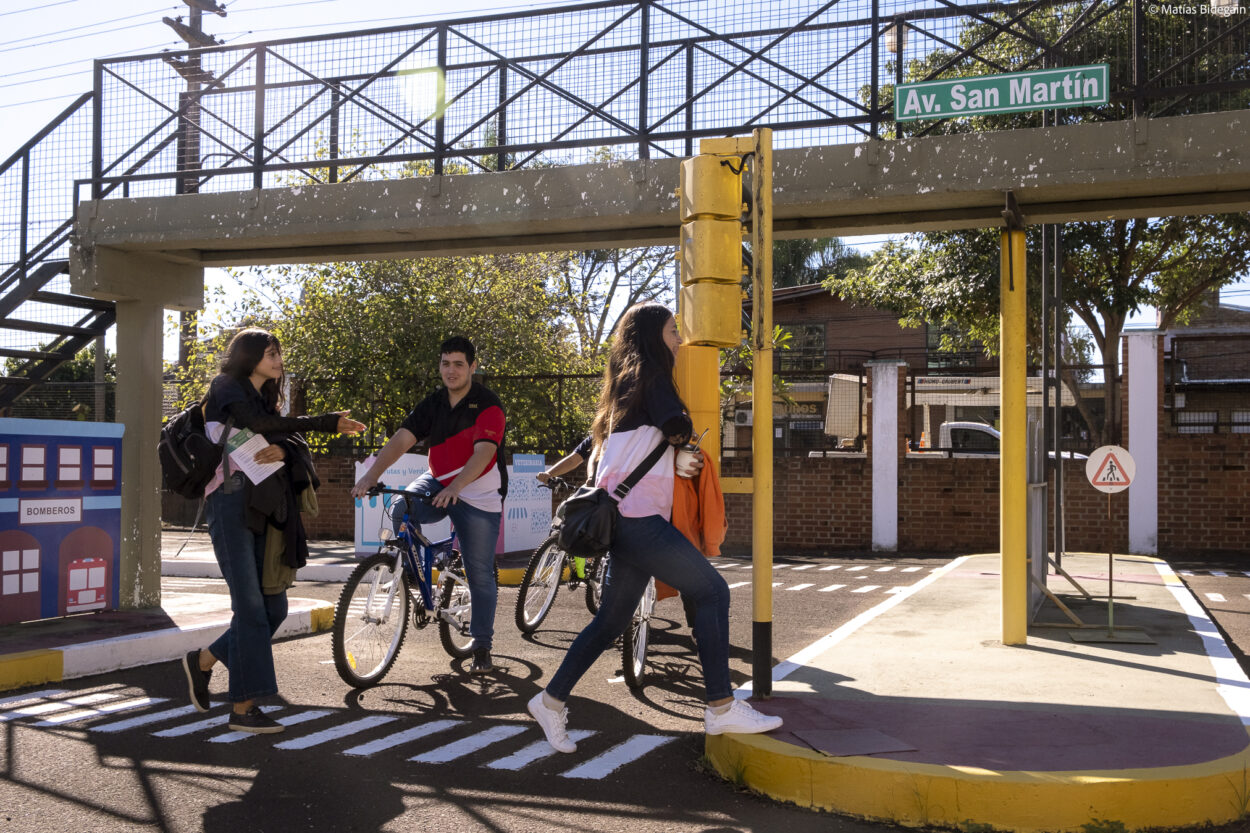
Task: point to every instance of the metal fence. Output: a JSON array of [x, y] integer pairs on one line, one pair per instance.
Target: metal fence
[[641, 77], [88, 401]]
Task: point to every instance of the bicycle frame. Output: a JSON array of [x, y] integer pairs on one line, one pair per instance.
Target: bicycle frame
[[418, 556]]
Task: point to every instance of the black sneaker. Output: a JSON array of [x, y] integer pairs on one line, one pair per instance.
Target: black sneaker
[[255, 721], [197, 681], [481, 662]]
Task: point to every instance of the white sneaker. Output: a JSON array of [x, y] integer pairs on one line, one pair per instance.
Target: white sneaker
[[740, 718], [553, 724]]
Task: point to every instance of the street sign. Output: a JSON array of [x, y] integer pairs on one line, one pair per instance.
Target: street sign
[[1012, 92], [1110, 469]]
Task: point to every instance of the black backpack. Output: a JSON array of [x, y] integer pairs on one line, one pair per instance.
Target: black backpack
[[189, 459]]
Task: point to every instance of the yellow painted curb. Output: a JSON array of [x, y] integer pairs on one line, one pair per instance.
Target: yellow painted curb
[[30, 668], [321, 618], [915, 795]]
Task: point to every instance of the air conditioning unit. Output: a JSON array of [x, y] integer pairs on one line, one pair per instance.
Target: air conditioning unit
[[743, 418]]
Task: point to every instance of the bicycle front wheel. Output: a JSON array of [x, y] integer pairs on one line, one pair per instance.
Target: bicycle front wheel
[[540, 585], [455, 611], [370, 621], [637, 635]]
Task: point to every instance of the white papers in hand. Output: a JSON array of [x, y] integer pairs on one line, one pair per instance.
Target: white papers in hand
[[243, 446]]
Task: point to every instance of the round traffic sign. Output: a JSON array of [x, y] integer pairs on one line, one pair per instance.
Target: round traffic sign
[[1110, 469]]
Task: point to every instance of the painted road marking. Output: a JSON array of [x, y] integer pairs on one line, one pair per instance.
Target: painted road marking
[[336, 732], [286, 720], [739, 584], [142, 720], [391, 741], [883, 569], [778, 583], [804, 567], [22, 699], [831, 567], [866, 588], [860, 567], [831, 588], [58, 705], [618, 756], [912, 569], [1216, 597], [780, 566], [469, 745], [195, 726], [1219, 573], [799, 587], [107, 708], [536, 751]]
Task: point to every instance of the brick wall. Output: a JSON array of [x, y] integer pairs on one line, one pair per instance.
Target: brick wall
[[1203, 493]]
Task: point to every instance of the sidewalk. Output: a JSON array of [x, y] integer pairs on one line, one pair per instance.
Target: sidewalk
[[916, 714]]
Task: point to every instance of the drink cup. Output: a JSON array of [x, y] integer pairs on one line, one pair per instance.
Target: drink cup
[[687, 455]]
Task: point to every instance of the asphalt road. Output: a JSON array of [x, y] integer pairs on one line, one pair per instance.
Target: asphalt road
[[432, 747]]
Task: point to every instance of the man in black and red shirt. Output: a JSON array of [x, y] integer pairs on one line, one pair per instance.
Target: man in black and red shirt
[[462, 425]]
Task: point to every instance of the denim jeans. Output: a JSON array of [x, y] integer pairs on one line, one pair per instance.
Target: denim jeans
[[478, 534], [245, 648], [646, 547]]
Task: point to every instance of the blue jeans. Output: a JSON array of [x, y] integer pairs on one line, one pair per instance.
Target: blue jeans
[[646, 547], [245, 648], [478, 533]]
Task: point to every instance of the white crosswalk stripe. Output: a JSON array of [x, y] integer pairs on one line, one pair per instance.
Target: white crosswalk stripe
[[804, 567], [1218, 573], [739, 584], [598, 764], [469, 745], [799, 587], [859, 567], [866, 588], [912, 569], [142, 720], [286, 720], [1216, 597], [399, 738], [831, 588], [883, 569], [536, 751], [831, 567], [618, 756], [334, 733], [107, 708]]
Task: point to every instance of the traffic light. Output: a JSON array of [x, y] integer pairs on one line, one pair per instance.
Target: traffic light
[[710, 252]]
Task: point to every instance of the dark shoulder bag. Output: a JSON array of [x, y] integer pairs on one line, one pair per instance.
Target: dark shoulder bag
[[586, 521]]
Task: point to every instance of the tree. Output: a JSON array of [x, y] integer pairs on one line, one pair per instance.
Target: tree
[[364, 336], [805, 261], [70, 391], [600, 284], [1110, 269]]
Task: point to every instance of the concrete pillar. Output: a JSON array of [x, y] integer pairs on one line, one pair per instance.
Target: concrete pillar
[[140, 326], [143, 287], [1143, 441], [883, 451]]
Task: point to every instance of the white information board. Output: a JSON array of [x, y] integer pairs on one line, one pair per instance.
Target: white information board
[[369, 514]]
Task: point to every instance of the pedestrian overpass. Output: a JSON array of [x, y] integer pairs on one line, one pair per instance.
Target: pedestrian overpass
[[488, 134]]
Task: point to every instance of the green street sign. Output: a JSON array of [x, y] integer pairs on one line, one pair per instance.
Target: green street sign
[[1013, 92]]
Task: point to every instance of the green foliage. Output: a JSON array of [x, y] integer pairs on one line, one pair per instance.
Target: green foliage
[[739, 362], [805, 261], [1110, 269]]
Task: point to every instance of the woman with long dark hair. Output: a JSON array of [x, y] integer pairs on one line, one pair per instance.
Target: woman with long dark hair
[[638, 409], [247, 394]]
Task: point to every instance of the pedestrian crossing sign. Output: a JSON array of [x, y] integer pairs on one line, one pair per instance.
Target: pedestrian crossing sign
[[1110, 469]]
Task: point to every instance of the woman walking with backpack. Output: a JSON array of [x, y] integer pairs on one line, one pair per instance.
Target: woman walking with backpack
[[639, 409], [247, 395]]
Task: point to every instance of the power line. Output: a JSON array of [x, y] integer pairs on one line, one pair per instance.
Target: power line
[[41, 7], [76, 37], [84, 26]]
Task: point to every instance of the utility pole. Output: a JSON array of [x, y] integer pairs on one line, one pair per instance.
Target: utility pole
[[188, 149]]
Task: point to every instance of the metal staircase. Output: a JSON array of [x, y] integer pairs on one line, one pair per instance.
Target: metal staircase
[[42, 324]]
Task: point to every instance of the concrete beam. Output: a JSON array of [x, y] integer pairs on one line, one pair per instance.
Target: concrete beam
[[116, 275], [1157, 167]]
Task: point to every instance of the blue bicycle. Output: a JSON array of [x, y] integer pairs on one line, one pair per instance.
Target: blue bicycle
[[373, 612]]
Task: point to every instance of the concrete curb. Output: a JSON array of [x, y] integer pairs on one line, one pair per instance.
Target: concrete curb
[[1027, 802], [29, 668]]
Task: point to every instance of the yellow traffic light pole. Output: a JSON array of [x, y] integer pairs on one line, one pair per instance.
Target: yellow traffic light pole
[[710, 312], [1013, 462]]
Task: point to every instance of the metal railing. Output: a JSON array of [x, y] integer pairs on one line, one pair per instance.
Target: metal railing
[[630, 78]]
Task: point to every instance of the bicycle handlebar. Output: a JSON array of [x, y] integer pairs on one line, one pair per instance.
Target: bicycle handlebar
[[554, 483]]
